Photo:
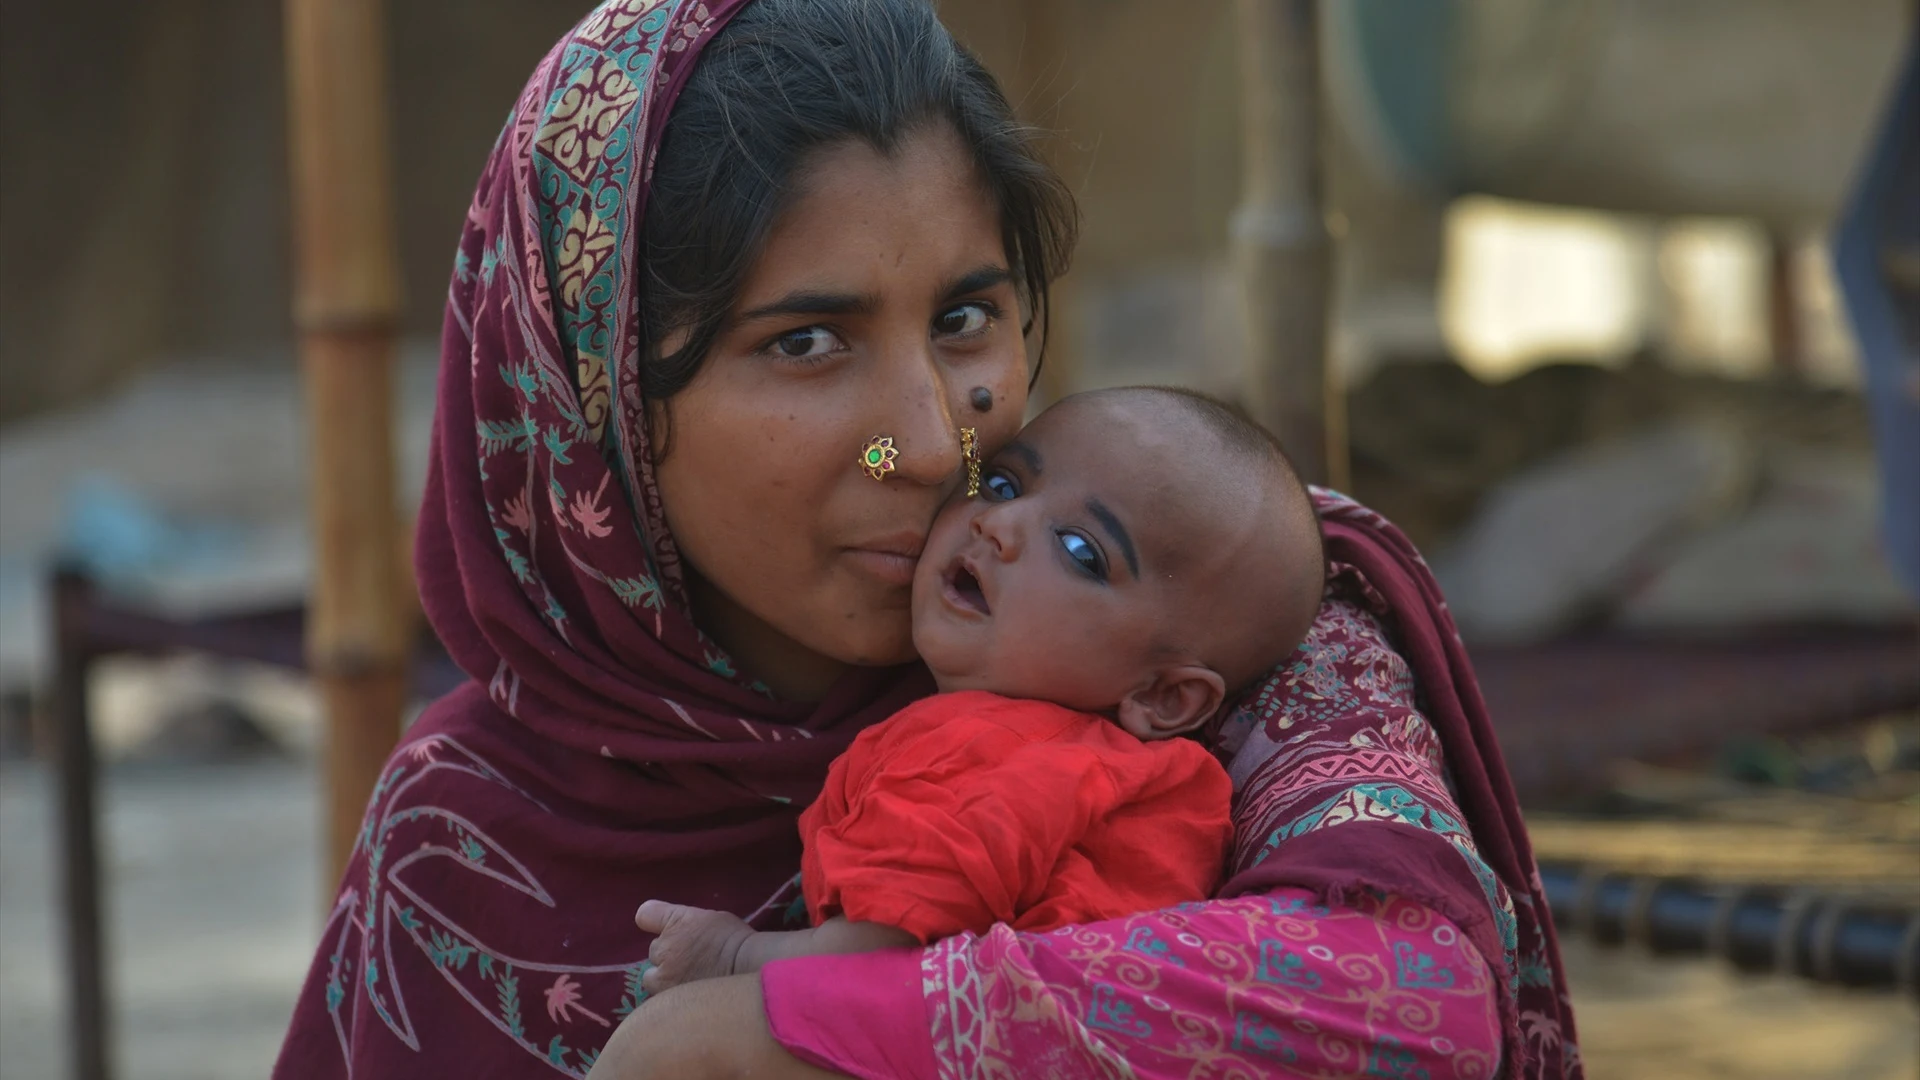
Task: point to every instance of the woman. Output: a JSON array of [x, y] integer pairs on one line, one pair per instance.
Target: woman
[[721, 247]]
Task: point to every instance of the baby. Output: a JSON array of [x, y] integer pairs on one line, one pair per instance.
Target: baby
[[1134, 558]]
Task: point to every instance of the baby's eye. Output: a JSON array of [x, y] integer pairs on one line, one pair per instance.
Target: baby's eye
[[998, 486], [1084, 555]]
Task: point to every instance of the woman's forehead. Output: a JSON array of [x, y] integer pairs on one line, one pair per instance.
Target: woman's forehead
[[860, 216]]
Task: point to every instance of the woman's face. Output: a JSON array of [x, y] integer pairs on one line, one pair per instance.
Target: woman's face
[[883, 297]]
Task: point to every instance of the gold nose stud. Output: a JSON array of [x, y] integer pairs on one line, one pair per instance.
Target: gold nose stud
[[876, 458]]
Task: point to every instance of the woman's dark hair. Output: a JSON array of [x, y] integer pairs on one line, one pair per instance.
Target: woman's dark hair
[[787, 77]]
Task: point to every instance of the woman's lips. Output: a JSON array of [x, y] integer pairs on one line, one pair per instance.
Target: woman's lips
[[891, 559]]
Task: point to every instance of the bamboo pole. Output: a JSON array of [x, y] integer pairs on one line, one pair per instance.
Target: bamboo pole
[[346, 304], [1282, 252]]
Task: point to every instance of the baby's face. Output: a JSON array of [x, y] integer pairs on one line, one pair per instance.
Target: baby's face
[[1066, 577]]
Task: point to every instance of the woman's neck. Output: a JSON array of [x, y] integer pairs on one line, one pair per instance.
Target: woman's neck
[[791, 670]]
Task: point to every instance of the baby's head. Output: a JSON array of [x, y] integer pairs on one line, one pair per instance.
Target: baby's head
[[1141, 552]]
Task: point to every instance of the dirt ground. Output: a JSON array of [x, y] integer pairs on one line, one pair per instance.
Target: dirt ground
[[215, 897]]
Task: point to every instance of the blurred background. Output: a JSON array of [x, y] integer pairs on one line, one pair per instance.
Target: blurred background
[[1586, 343]]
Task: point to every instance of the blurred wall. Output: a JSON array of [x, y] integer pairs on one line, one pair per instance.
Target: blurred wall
[[142, 156], [143, 205]]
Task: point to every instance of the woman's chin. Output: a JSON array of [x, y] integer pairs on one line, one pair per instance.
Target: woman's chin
[[885, 642]]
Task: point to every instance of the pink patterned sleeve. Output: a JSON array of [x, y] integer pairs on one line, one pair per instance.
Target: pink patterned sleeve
[[1273, 985]]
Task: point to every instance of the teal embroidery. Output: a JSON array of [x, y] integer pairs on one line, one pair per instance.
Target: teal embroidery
[[1251, 1032], [642, 591], [498, 436], [1294, 906], [1284, 968], [445, 951], [1504, 919], [509, 995], [1110, 1014], [557, 1052], [491, 258], [522, 572], [719, 664], [1388, 1060], [1534, 970], [796, 913], [1417, 970], [635, 995], [558, 446], [1143, 942], [520, 379]]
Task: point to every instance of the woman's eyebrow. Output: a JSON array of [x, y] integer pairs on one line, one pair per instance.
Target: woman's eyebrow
[[979, 279], [1116, 530], [805, 302]]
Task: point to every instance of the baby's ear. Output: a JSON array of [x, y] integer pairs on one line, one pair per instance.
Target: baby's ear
[[1179, 699]]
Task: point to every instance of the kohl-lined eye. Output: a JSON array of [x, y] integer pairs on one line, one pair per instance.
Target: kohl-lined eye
[[963, 320], [1085, 554], [997, 486], [806, 343]]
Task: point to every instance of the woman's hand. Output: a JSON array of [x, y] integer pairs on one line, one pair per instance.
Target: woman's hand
[[715, 1029]]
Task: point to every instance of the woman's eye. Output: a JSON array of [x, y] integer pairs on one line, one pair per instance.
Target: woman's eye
[[964, 319], [1084, 554], [806, 343], [999, 487]]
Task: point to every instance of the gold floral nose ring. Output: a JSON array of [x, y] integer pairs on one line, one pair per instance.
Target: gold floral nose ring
[[970, 449], [876, 458]]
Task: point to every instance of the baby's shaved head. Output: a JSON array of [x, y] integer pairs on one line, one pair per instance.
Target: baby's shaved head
[[1250, 569]]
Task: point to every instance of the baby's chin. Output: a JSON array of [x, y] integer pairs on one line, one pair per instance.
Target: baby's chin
[[940, 661]]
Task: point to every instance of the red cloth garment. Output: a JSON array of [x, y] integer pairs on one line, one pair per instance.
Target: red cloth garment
[[969, 809]]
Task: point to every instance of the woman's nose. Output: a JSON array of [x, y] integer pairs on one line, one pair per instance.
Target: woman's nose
[[920, 416]]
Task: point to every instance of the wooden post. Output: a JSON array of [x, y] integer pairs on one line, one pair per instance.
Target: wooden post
[[346, 304], [88, 1022], [1784, 313], [1282, 252], [1045, 69]]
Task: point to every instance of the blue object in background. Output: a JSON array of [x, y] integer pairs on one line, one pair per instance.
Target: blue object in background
[[1876, 257], [115, 534]]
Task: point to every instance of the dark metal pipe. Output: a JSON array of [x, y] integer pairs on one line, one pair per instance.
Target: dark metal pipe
[[1828, 938]]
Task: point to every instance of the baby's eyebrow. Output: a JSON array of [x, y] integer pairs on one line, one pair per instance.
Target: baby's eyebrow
[[1028, 456], [1118, 531]]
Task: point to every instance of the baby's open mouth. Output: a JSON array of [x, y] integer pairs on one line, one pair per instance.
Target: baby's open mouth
[[963, 588]]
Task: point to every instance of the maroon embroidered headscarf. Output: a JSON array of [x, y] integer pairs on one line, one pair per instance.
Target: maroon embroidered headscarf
[[544, 558]]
